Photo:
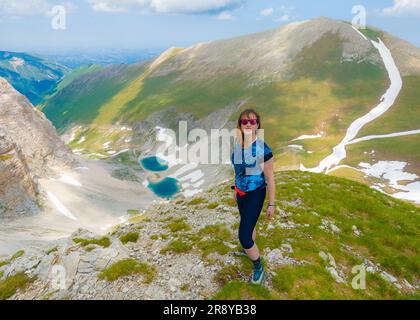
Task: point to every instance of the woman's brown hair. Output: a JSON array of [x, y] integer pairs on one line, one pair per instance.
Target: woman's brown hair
[[246, 112]]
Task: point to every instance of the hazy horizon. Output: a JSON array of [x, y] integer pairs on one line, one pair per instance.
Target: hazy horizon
[[109, 25]]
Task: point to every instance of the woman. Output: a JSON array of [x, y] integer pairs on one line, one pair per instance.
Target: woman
[[252, 160]]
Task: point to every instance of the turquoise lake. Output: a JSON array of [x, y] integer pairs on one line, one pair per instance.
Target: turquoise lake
[[154, 164], [167, 187]]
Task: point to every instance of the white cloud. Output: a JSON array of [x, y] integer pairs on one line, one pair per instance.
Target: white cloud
[[16, 8], [284, 12], [23, 7], [68, 6], [283, 18], [225, 16], [267, 12], [403, 7], [166, 6]]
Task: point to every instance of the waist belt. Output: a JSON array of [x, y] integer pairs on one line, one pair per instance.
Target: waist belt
[[239, 191], [243, 193]]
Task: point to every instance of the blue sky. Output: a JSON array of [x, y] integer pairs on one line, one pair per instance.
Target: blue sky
[[141, 24]]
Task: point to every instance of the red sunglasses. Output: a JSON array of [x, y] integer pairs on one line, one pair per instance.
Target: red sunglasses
[[253, 122]]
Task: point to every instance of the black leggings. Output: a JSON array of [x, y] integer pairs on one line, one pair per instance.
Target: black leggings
[[250, 207]]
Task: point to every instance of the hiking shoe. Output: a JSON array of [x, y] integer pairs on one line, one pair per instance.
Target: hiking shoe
[[258, 275]]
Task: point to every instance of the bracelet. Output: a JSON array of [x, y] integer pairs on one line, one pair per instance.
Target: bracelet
[[271, 205]]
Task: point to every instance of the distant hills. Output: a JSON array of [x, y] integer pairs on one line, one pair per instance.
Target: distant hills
[[32, 76]]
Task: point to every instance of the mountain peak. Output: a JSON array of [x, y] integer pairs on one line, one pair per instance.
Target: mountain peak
[[264, 55]]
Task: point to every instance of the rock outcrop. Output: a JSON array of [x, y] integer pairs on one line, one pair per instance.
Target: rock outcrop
[[29, 148], [18, 190]]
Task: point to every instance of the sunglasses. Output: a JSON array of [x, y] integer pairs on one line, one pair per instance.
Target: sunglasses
[[253, 122]]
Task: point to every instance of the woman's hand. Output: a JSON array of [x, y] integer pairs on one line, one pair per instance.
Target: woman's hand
[[270, 212], [234, 196]]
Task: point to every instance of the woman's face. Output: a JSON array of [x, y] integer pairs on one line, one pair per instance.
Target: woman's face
[[249, 124]]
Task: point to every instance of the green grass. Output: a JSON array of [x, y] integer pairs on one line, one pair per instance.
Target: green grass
[[208, 240], [178, 225], [4, 157], [133, 212], [16, 255], [75, 73], [9, 286], [103, 242], [228, 274], [177, 246], [197, 201], [210, 246], [372, 34], [216, 231], [237, 290], [389, 225], [128, 267], [212, 205], [403, 115], [315, 282], [185, 287], [54, 249], [129, 237]]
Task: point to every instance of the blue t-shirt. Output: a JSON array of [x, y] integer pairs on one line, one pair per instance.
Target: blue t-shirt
[[249, 174]]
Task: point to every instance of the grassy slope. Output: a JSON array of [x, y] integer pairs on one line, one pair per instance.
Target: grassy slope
[[75, 73], [390, 236], [79, 102]]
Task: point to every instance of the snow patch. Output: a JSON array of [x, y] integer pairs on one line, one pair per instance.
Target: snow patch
[[393, 171], [60, 207], [309, 136], [69, 179]]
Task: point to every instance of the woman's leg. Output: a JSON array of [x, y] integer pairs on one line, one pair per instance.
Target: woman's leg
[[253, 253], [250, 207]]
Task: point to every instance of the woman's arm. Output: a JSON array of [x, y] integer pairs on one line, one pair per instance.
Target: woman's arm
[[269, 176]]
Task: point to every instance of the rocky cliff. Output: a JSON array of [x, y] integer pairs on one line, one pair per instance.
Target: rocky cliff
[[29, 148]]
